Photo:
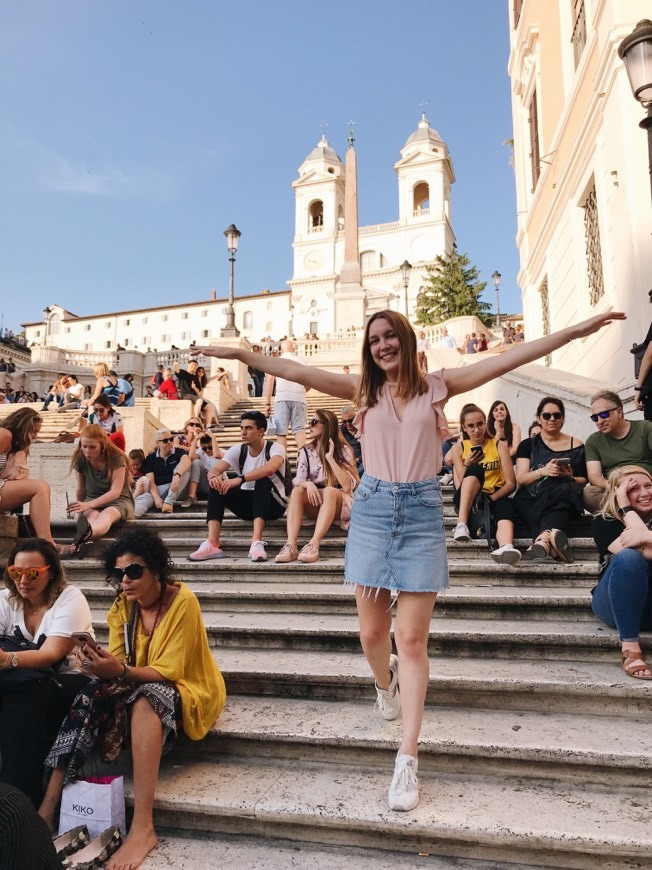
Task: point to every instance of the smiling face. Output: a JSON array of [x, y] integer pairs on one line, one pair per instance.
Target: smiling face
[[384, 347], [500, 413], [639, 492]]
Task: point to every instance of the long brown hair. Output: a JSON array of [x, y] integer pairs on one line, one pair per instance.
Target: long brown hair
[[21, 424], [331, 431], [108, 449], [410, 382], [471, 409]]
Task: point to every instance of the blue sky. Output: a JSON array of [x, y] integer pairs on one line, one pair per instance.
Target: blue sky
[[133, 132]]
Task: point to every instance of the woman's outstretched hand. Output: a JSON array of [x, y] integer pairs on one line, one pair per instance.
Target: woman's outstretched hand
[[594, 324]]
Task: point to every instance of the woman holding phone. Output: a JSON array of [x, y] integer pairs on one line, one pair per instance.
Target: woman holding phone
[[483, 465], [40, 605], [550, 472]]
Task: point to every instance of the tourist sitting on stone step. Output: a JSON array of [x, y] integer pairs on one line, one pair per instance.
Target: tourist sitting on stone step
[[254, 491], [501, 426], [137, 478], [396, 547], [167, 469], [205, 406], [483, 476], [157, 676], [551, 473], [204, 454], [621, 530], [103, 414], [73, 396], [45, 609], [56, 391], [349, 434], [322, 488], [17, 432], [617, 442], [105, 385], [103, 494], [167, 389]]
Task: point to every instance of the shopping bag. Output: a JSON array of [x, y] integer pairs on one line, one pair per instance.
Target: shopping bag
[[97, 802], [271, 427]]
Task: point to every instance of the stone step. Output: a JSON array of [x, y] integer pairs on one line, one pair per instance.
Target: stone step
[[505, 820], [197, 851], [477, 638], [560, 746], [471, 602]]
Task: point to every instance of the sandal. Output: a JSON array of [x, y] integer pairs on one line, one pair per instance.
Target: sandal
[[561, 550], [83, 537], [633, 661], [540, 549], [97, 853]]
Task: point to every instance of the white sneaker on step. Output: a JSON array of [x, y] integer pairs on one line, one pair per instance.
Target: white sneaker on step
[[388, 701], [507, 555], [404, 790]]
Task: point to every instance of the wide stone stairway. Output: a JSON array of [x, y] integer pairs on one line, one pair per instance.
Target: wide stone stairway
[[536, 749]]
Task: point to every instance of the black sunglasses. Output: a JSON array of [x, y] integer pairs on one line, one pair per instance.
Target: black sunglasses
[[165, 440], [602, 415], [551, 415], [133, 572], [314, 421]]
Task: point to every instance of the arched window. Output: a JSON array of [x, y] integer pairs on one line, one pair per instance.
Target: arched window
[[421, 198], [248, 320], [368, 261], [55, 324], [316, 212]]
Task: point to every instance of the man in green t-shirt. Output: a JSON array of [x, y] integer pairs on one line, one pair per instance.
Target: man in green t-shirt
[[617, 442]]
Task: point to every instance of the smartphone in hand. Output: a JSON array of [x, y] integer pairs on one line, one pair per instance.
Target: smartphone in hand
[[563, 462], [83, 637]]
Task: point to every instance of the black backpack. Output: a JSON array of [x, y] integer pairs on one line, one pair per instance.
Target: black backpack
[[286, 479]]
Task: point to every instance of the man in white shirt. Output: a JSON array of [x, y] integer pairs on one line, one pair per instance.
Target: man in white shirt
[[290, 410], [255, 491], [73, 395], [446, 340]]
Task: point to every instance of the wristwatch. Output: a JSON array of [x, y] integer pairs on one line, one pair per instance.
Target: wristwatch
[[625, 510], [242, 479]]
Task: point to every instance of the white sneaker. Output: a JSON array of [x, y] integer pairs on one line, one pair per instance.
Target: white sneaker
[[446, 479], [404, 790], [257, 551], [388, 701], [506, 555], [461, 533], [206, 551]]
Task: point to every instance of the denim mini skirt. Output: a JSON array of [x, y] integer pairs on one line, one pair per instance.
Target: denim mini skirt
[[396, 539]]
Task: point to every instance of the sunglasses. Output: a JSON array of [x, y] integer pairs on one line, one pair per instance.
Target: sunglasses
[[602, 415], [31, 573], [100, 409], [552, 415], [315, 421], [195, 424], [165, 440], [348, 422], [133, 572]]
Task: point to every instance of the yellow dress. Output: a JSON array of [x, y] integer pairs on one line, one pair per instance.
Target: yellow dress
[[179, 651]]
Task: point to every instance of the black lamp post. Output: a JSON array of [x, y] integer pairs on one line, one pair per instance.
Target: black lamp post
[[636, 53], [232, 235], [496, 278], [406, 268]]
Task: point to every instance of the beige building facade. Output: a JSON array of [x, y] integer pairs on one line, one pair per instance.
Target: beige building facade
[[583, 192]]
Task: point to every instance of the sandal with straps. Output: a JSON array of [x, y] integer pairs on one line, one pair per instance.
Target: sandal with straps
[[633, 661]]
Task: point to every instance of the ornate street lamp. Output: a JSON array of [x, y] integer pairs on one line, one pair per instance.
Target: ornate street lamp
[[496, 278], [232, 235], [636, 53], [406, 268]]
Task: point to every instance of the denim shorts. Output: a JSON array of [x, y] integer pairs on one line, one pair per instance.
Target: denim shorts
[[292, 415], [396, 539]]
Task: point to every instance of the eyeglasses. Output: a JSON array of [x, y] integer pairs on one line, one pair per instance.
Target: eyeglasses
[[475, 425], [552, 415], [315, 421], [133, 572], [602, 415], [165, 440], [31, 573]]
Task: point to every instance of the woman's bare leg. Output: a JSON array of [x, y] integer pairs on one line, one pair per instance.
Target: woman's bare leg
[[49, 808], [375, 618], [296, 507], [328, 513], [101, 521], [411, 632], [468, 493], [146, 748], [37, 492]]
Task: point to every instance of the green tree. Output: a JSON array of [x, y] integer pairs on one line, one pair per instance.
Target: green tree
[[452, 289]]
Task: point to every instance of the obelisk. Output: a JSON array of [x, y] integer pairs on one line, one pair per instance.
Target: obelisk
[[349, 297]]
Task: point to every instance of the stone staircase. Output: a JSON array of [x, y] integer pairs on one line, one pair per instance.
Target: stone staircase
[[536, 749]]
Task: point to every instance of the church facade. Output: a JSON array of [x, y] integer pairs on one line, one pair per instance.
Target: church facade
[[342, 272]]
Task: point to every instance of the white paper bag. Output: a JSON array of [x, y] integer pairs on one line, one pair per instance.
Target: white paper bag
[[97, 802], [271, 427]]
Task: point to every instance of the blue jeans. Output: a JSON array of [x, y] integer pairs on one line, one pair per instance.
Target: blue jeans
[[622, 598]]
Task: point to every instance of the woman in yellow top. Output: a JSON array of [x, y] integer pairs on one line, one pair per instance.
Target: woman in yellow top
[[158, 675], [481, 464]]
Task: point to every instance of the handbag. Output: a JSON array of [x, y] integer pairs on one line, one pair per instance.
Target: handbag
[[14, 678], [96, 801]]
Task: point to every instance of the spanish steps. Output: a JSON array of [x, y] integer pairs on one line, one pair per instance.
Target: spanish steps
[[536, 748]]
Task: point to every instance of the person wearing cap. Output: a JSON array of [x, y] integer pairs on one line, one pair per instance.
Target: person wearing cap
[[168, 471]]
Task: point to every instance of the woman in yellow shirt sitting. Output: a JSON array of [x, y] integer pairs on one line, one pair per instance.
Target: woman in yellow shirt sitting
[[158, 675], [483, 465]]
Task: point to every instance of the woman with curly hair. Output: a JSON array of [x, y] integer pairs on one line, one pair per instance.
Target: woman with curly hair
[[323, 487], [37, 605], [103, 496], [157, 674], [17, 432]]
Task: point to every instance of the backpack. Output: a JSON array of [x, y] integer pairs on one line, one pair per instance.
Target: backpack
[[126, 390], [286, 480]]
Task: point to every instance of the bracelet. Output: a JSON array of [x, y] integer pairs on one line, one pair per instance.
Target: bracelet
[[126, 671], [6, 662]]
